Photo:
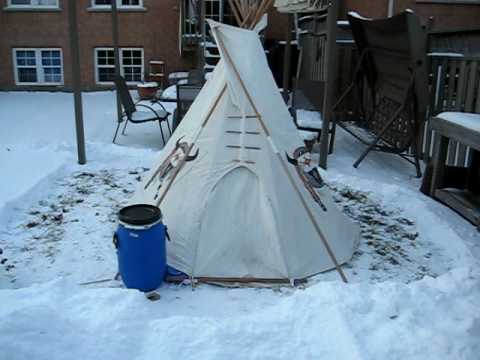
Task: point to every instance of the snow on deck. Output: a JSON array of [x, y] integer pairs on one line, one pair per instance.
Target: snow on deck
[[414, 287], [466, 120]]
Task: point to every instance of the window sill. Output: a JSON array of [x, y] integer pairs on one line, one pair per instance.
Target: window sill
[[99, 9], [40, 84], [110, 84], [31, 9], [450, 2]]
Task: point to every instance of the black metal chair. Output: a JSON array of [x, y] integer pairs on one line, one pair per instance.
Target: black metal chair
[[186, 95], [133, 115]]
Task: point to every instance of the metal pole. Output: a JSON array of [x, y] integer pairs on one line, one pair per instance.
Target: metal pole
[[287, 58], [330, 67], [391, 8], [203, 30], [76, 86], [116, 51]]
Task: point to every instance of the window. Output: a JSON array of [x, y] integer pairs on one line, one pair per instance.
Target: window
[[33, 3], [131, 65], [38, 66], [219, 11], [120, 3]]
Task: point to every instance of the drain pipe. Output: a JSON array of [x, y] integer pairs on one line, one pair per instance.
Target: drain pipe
[[391, 8]]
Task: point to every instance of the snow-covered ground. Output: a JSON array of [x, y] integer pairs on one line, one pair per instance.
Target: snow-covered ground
[[414, 290]]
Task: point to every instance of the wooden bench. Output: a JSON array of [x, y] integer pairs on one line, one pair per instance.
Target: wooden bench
[[462, 128]]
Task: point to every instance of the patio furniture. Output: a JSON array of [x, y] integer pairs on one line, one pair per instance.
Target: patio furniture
[[186, 94], [133, 115], [451, 128], [455, 84], [390, 86], [315, 76]]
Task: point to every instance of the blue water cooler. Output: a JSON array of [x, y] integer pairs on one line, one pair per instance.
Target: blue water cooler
[[140, 244]]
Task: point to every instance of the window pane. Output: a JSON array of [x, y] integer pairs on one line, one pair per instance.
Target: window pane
[[26, 58], [132, 57], [35, 2], [53, 75], [106, 74], [21, 2], [105, 57], [27, 75], [103, 2], [133, 74], [50, 57], [47, 2], [130, 2]]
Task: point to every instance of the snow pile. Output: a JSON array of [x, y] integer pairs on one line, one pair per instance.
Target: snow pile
[[309, 119], [465, 120], [358, 321], [414, 288]]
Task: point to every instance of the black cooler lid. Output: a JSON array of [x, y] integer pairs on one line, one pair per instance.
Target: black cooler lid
[[140, 214]]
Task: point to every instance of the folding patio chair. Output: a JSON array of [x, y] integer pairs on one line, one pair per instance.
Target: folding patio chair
[[186, 94], [138, 116], [392, 61], [313, 88]]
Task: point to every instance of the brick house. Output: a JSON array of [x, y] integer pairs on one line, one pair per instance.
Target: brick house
[[34, 42]]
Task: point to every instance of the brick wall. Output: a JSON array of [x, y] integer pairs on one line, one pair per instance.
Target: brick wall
[[155, 30]]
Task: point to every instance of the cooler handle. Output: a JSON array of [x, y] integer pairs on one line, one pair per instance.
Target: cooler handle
[[167, 234], [115, 241]]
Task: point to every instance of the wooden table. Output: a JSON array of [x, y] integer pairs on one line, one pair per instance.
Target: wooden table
[[463, 128]]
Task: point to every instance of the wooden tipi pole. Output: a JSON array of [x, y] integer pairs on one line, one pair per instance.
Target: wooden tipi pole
[[282, 162]]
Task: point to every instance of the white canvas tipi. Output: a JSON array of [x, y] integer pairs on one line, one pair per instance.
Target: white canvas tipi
[[235, 207]]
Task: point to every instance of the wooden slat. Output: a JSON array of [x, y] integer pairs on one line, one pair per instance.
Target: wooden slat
[[462, 155], [472, 79], [457, 132], [477, 84], [441, 86], [434, 86], [452, 74], [461, 85], [462, 201], [452, 151], [449, 106], [428, 137]]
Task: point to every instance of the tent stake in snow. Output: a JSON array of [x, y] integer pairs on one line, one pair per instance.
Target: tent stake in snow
[[77, 92], [279, 157]]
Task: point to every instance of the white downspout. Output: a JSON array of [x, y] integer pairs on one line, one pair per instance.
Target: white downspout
[[391, 8]]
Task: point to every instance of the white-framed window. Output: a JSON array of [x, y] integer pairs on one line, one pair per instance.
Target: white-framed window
[[131, 65], [121, 4], [33, 4], [38, 66]]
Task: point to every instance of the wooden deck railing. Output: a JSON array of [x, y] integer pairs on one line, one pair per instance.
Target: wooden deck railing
[[454, 86]]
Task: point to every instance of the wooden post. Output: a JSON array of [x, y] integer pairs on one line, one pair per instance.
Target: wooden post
[[116, 54], [76, 85], [330, 64], [283, 163], [287, 58], [201, 60]]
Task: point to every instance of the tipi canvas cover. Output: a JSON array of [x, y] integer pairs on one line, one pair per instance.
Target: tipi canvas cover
[[234, 206]]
